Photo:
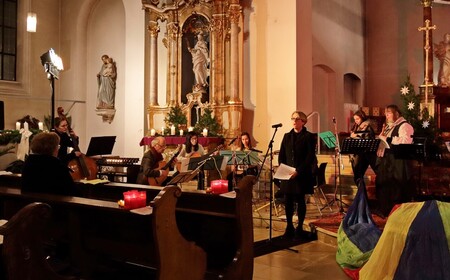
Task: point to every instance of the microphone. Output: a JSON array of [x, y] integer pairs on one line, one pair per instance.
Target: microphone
[[255, 150], [232, 140], [334, 120], [277, 125]]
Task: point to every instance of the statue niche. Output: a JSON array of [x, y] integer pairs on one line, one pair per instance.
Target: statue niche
[[201, 69], [195, 64]]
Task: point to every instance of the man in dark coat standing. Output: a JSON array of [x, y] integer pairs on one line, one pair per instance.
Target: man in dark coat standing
[[298, 150]]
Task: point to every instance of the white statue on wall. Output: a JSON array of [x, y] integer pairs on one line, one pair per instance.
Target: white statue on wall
[[442, 52], [106, 79], [200, 61]]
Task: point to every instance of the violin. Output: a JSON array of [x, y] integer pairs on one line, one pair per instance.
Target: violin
[[82, 167]]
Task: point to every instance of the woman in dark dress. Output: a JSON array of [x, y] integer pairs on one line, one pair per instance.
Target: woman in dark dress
[[298, 150]]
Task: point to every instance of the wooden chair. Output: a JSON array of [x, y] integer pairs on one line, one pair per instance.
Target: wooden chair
[[23, 244]]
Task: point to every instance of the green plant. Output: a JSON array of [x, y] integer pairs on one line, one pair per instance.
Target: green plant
[[209, 122], [175, 117]]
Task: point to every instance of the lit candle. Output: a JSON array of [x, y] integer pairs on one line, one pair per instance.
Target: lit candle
[[41, 126], [172, 130], [17, 125], [162, 130], [25, 126], [190, 129], [152, 132], [181, 132], [205, 132]]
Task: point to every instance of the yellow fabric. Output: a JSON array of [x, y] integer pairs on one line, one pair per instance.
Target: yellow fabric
[[386, 254], [444, 209]]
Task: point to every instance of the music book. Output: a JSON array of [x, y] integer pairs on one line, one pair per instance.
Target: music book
[[329, 139]]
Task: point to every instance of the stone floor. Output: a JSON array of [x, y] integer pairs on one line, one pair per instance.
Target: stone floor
[[312, 260]]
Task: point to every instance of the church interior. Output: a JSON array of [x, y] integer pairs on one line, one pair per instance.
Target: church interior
[[123, 72]]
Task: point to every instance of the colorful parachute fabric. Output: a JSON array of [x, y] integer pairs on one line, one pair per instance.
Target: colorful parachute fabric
[[415, 244], [357, 235]]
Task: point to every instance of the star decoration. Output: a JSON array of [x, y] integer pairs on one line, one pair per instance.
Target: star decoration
[[404, 90], [411, 105], [425, 124]]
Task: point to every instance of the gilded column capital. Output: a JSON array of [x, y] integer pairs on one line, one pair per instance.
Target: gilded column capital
[[153, 29], [234, 13], [427, 3], [217, 25], [173, 29]]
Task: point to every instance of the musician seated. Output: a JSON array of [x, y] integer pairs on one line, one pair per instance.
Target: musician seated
[[191, 148], [43, 171], [151, 171], [68, 141], [240, 169]]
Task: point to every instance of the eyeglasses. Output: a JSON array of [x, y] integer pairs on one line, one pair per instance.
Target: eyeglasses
[[295, 119], [162, 147]]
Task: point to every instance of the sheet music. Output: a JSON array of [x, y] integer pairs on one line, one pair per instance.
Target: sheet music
[[284, 172]]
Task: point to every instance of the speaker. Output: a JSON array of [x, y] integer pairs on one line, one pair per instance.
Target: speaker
[[2, 115]]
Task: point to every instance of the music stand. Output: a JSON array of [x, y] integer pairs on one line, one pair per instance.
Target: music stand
[[207, 162], [102, 145], [183, 177], [415, 151], [357, 146], [329, 139]]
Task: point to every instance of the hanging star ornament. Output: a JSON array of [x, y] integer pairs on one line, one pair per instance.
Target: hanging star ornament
[[411, 106], [404, 90], [425, 124]]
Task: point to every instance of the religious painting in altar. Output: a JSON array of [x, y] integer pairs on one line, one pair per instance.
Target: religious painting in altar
[[202, 44]]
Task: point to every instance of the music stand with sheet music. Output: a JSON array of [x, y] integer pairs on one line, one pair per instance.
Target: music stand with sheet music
[[242, 157], [329, 139], [357, 146], [207, 162], [183, 177], [101, 145]]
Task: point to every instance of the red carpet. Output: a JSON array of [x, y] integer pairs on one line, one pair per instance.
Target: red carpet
[[333, 221]]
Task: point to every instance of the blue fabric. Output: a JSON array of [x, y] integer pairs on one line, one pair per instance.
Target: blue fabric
[[358, 224], [426, 254]]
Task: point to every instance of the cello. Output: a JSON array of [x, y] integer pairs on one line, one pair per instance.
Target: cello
[[81, 167]]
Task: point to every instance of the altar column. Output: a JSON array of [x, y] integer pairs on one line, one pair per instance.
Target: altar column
[[235, 14], [153, 29], [173, 30]]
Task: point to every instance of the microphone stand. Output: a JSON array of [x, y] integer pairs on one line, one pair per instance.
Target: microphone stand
[[337, 173], [271, 196]]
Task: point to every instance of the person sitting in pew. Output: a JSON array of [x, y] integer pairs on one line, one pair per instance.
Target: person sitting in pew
[[43, 171]]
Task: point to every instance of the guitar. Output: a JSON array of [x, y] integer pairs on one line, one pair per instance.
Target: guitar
[[157, 181]]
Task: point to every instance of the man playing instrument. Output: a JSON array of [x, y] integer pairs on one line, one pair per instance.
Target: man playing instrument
[[150, 162]]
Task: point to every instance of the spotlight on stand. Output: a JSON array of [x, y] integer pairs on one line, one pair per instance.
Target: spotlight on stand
[[52, 65]]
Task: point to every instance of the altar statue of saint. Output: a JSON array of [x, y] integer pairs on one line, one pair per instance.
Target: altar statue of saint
[[200, 61], [442, 52], [106, 79]]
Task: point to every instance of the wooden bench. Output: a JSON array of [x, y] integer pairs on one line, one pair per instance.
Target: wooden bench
[[221, 226], [97, 230]]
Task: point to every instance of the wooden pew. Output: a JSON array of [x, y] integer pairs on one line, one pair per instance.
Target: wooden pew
[[23, 244], [222, 227], [96, 230]]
